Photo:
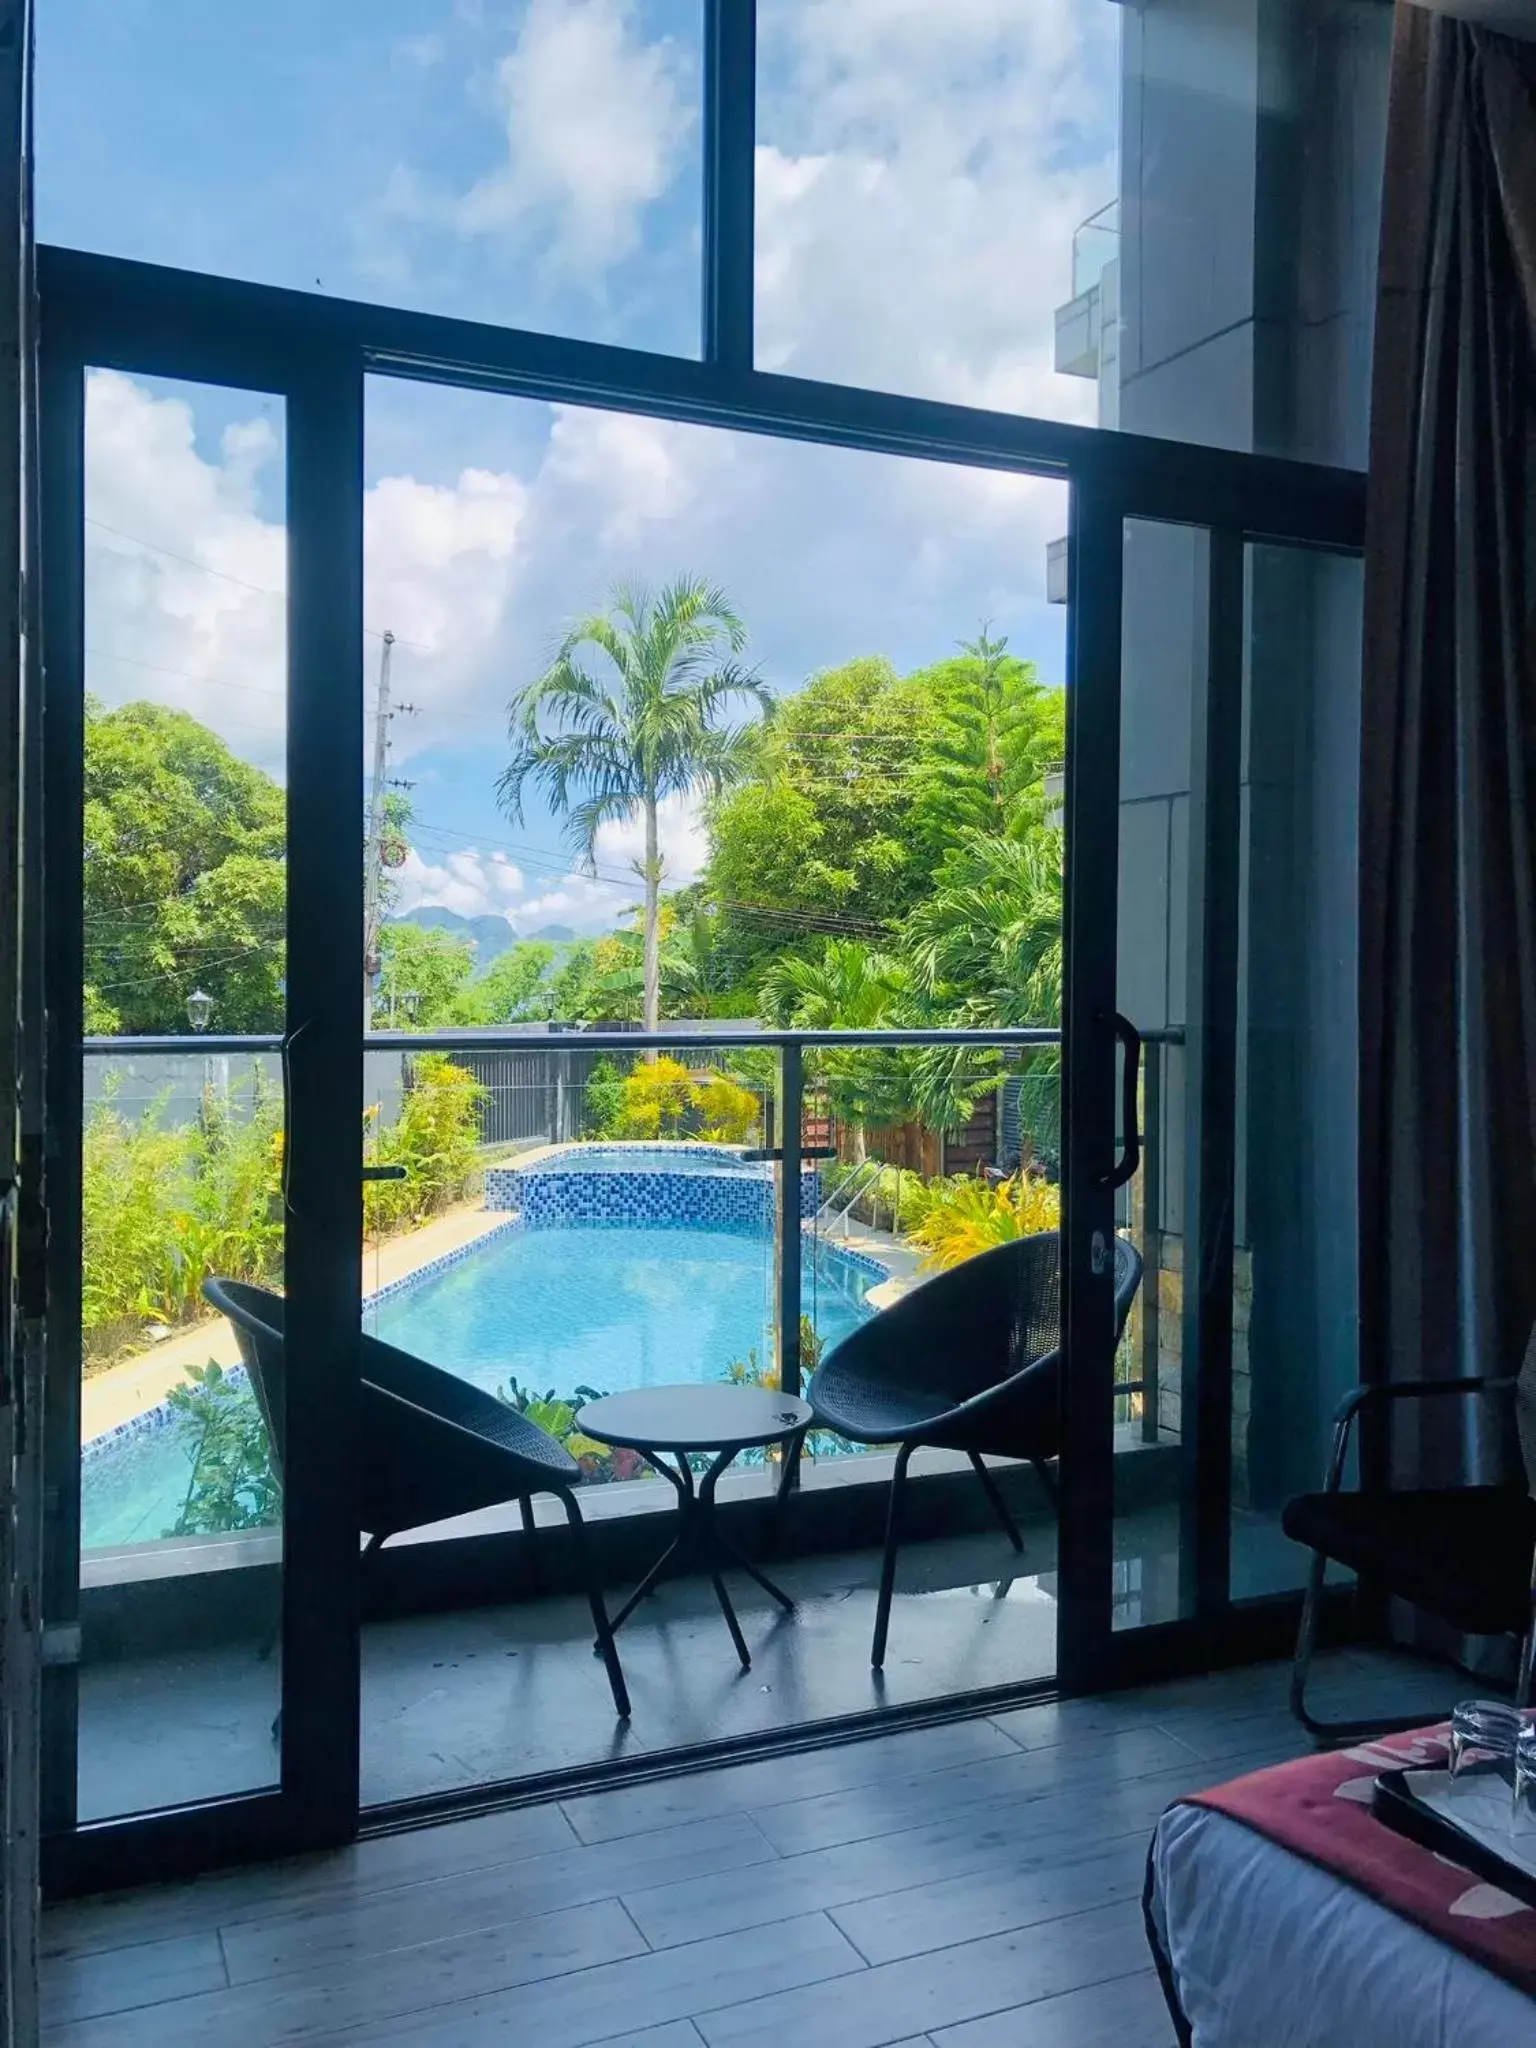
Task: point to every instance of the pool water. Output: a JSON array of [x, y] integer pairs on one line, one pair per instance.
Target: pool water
[[609, 1306]]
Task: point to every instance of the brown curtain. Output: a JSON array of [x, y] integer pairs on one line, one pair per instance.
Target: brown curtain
[[1448, 824]]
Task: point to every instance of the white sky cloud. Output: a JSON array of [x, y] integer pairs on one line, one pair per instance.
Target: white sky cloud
[[680, 833], [205, 599], [596, 124], [920, 172]]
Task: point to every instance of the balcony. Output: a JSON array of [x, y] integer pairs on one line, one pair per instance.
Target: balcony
[[1086, 323], [575, 1217]]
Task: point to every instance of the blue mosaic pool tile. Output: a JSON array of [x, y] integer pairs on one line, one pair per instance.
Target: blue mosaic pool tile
[[681, 1199]]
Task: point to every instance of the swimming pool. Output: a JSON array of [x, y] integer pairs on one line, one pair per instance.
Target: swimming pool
[[643, 1158], [603, 1304]]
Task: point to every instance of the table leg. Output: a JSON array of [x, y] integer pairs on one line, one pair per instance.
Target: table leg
[[745, 1564], [698, 1534], [646, 1584], [682, 1542], [730, 1618]]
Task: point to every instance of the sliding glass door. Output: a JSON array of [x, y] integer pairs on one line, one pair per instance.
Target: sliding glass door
[[1212, 872]]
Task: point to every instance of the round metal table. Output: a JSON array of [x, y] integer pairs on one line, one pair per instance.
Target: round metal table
[[669, 1426]]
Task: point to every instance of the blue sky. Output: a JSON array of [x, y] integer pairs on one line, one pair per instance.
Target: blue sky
[[920, 171]]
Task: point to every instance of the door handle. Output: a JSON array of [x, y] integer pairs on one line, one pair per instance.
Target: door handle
[[1125, 1166]]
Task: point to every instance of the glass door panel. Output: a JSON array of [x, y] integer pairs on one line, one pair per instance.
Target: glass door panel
[[1164, 665], [1296, 1237], [184, 904]]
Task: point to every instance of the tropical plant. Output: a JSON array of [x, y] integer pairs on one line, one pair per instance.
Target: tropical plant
[[753, 1371], [655, 1097], [556, 1416], [728, 1112], [231, 1484], [602, 1100], [435, 1138], [985, 954], [163, 1207], [848, 986], [650, 724], [963, 1216]]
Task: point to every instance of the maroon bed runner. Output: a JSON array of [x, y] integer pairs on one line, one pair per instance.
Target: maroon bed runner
[[1320, 1808]]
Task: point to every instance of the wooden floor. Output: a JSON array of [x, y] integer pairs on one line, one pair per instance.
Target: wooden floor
[[975, 1885]]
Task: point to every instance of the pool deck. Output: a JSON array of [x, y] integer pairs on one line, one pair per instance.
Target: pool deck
[[143, 1381], [901, 1260]]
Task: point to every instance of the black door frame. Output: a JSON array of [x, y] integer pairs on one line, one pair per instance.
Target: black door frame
[[316, 353], [314, 1801], [1211, 1630]]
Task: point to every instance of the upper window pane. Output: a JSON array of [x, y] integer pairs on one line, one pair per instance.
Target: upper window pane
[[534, 163], [1160, 217]]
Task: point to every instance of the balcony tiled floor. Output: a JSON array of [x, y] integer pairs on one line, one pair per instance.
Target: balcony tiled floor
[[457, 1699]]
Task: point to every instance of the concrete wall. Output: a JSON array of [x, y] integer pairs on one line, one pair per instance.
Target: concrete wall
[[1251, 145]]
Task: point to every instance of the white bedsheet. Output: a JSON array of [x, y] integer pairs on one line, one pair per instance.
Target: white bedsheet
[[1268, 1951]]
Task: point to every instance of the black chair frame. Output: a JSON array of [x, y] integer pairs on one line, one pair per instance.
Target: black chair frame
[[940, 1346], [1335, 1732], [433, 1446]]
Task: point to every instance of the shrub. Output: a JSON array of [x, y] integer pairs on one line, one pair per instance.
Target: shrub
[[727, 1110], [435, 1138], [232, 1484], [754, 1372], [557, 1417], [964, 1216], [655, 1098], [602, 1100], [162, 1209]]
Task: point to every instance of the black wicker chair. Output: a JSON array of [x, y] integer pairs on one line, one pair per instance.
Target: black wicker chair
[[1465, 1554], [969, 1361], [433, 1445]]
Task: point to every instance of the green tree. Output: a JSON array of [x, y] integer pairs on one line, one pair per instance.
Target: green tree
[[994, 732], [985, 952], [818, 838], [515, 989], [184, 875], [848, 987], [422, 978], [647, 725]]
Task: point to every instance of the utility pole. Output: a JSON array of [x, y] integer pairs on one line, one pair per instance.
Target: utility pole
[[373, 856]]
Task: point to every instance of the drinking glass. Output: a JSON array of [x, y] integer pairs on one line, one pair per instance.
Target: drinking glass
[[1523, 1824], [1483, 1738]]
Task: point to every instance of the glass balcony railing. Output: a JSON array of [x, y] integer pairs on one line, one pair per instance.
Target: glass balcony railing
[[1095, 245], [569, 1213]]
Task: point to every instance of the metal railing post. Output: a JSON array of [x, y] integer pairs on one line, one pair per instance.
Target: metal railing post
[[791, 1092], [1151, 1232]]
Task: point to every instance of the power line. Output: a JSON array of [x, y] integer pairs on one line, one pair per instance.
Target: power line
[[191, 561]]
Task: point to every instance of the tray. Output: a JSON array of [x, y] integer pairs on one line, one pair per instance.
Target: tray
[[1397, 1806]]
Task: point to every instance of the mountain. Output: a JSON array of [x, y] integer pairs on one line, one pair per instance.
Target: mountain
[[490, 935]]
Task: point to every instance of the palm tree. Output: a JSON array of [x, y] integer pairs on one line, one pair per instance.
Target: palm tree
[[985, 952], [848, 986], [646, 725], [987, 942]]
